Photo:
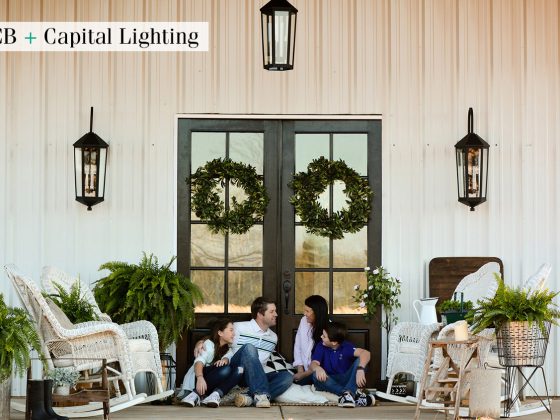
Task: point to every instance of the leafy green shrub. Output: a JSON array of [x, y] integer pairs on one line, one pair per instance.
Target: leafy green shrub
[[73, 304], [17, 335], [63, 376], [381, 289], [514, 304], [455, 306], [148, 291]]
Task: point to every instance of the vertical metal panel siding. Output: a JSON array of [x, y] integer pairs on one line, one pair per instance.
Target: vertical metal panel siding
[[419, 64]]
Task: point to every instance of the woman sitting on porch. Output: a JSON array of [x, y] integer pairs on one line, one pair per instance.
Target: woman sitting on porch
[[211, 371], [311, 326]]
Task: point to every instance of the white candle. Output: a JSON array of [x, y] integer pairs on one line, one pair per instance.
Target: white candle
[[461, 331]]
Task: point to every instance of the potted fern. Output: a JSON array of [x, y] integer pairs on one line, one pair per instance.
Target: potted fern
[[73, 303], [148, 291], [17, 336], [522, 320]]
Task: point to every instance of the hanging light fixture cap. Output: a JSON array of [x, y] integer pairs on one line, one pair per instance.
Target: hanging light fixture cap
[[471, 139], [90, 139], [274, 5]]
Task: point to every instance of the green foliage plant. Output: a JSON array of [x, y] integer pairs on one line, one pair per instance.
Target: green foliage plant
[[308, 186], [514, 304], [63, 376], [381, 289], [148, 291], [210, 208], [17, 336], [455, 306], [73, 303]]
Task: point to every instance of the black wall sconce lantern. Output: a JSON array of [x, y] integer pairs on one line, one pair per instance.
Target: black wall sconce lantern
[[472, 167], [90, 165], [278, 26]]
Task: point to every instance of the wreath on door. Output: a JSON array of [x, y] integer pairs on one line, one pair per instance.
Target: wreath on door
[[210, 208], [307, 187]]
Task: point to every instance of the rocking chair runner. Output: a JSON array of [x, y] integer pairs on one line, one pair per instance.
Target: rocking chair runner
[[77, 345]]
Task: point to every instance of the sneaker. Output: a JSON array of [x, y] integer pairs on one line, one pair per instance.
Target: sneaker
[[182, 393], [262, 401], [212, 400], [346, 400], [191, 400], [243, 400], [364, 399]]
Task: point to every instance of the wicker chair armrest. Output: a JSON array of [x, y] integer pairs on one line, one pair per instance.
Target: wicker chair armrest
[[143, 330], [94, 327]]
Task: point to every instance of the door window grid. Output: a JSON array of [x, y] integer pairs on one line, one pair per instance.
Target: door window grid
[[228, 268], [317, 269]]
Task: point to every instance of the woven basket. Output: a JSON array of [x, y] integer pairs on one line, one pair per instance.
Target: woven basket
[[521, 343]]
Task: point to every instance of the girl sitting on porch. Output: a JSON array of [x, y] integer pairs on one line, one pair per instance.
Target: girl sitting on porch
[[311, 326], [211, 371]]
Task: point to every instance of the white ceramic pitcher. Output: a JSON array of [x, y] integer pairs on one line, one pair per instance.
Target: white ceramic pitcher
[[426, 310]]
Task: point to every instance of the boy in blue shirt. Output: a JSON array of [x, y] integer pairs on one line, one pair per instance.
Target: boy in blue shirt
[[339, 367]]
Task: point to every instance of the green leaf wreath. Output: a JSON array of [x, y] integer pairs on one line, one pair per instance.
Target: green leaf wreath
[[309, 185], [208, 206]]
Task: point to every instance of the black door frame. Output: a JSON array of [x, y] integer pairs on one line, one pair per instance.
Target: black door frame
[[275, 172]]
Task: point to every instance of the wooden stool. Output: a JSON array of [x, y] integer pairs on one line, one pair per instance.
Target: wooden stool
[[445, 384]]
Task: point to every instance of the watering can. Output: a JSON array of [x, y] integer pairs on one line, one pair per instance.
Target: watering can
[[426, 310]]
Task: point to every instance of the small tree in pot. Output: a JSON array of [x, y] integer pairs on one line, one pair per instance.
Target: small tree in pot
[[148, 291]]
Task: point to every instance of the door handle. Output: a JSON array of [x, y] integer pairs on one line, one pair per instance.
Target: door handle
[[287, 287]]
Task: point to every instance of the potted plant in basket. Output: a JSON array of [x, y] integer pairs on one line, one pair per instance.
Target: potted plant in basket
[[522, 320], [453, 310], [63, 379], [148, 291], [17, 336]]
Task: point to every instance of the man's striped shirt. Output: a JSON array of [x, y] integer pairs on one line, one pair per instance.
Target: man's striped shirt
[[249, 332]]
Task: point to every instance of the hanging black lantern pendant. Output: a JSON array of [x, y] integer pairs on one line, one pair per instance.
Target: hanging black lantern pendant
[[472, 167], [90, 165], [278, 26]]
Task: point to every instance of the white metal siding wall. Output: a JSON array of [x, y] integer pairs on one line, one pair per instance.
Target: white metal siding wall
[[421, 64]]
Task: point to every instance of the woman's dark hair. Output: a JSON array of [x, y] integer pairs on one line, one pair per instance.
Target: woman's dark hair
[[217, 326], [321, 311]]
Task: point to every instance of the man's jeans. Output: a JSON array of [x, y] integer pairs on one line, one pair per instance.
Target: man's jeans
[[340, 382], [271, 384]]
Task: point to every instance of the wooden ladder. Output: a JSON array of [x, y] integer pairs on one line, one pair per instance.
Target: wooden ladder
[[447, 385]]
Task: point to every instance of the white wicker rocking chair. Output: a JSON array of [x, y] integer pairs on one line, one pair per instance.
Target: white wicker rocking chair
[[81, 346], [136, 332], [408, 348]]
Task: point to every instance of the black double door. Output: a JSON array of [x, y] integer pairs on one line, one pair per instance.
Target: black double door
[[278, 258]]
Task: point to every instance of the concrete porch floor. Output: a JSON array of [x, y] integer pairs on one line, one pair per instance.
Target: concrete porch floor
[[384, 410]]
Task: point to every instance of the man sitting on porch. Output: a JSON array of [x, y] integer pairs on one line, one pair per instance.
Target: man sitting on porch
[[254, 342]]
